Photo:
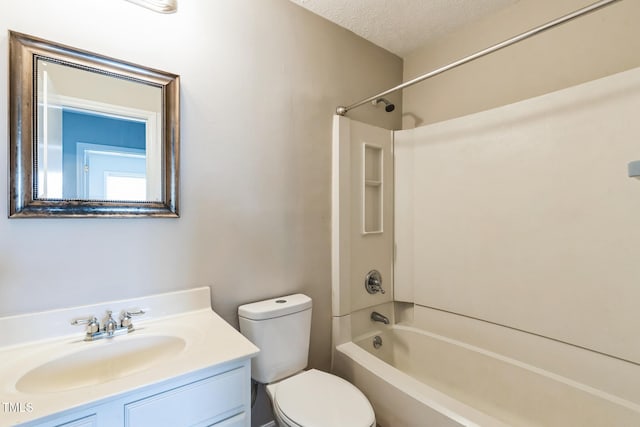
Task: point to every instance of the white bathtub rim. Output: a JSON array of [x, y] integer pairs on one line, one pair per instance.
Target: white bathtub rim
[[559, 378], [438, 401]]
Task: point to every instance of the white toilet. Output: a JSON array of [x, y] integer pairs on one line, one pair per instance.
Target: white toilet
[[280, 327]]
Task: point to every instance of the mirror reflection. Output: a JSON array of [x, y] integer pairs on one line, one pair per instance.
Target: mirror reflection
[[98, 136]]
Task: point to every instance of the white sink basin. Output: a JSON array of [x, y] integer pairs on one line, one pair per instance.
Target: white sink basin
[[107, 360], [46, 363]]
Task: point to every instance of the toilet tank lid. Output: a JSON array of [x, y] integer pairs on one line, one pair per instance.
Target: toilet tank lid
[[275, 307]]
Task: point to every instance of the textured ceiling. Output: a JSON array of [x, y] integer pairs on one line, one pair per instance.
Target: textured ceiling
[[401, 26]]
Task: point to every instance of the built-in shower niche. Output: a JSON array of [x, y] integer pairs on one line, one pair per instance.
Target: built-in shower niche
[[372, 189]]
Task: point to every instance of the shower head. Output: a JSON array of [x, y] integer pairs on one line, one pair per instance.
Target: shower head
[[389, 107]]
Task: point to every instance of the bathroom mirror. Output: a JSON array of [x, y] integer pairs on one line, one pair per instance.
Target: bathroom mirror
[[90, 135]]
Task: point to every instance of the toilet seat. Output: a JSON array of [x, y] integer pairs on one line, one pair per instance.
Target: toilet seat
[[283, 421], [317, 399]]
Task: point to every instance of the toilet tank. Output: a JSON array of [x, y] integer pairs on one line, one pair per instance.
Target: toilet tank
[[280, 327]]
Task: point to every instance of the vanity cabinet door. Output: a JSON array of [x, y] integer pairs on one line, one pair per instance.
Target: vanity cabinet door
[[69, 420], [239, 420], [201, 403], [90, 421]]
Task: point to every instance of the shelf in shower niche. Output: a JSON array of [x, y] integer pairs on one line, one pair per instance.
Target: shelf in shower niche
[[372, 200]]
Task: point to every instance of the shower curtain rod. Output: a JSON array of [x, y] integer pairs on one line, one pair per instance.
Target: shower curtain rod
[[341, 111]]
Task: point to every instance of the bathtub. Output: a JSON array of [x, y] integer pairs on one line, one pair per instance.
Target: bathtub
[[418, 378]]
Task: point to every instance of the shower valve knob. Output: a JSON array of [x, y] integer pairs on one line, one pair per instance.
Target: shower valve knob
[[373, 282]]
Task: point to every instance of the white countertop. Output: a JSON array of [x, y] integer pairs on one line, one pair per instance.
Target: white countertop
[[209, 341]]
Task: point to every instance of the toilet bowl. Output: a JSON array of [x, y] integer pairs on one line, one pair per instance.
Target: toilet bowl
[[281, 328], [317, 399]]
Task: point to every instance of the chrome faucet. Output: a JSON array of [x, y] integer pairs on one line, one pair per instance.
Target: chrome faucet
[[377, 317], [110, 325], [110, 328]]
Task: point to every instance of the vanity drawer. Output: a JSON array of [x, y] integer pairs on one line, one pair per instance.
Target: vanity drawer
[[200, 403]]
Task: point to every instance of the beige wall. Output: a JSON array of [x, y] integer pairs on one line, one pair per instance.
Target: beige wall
[[593, 46], [260, 82]]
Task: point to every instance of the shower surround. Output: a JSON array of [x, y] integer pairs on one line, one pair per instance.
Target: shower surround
[[514, 235]]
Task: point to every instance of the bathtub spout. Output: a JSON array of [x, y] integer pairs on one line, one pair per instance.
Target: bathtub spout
[[377, 317]]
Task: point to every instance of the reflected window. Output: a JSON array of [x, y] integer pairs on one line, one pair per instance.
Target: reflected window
[[104, 170], [125, 186]]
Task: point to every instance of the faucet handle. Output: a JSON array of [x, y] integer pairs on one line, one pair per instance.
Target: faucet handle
[[125, 317], [138, 312], [92, 324], [373, 282]]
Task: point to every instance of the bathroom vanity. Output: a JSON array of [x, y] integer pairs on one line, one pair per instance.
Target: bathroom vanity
[[179, 365]]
